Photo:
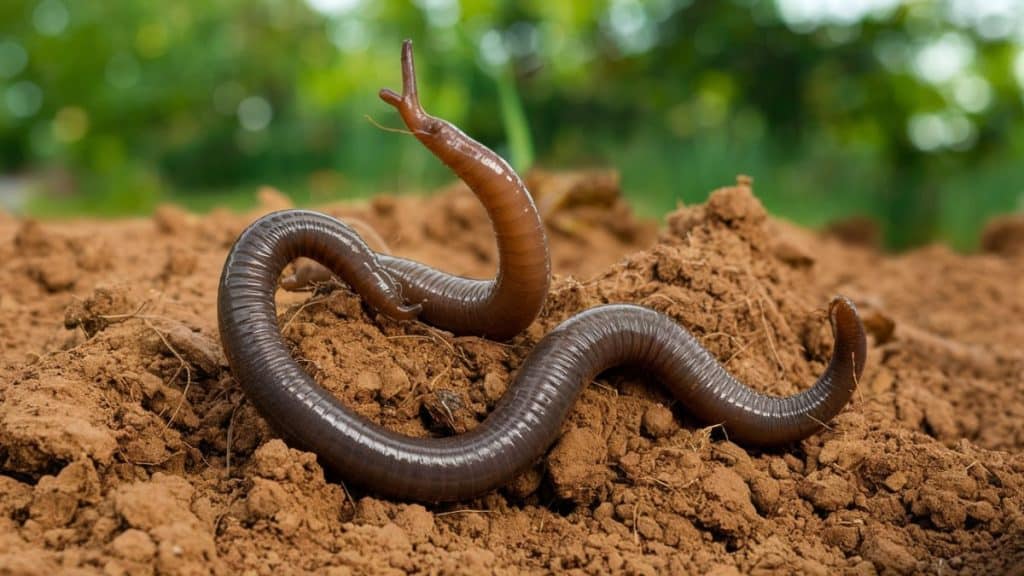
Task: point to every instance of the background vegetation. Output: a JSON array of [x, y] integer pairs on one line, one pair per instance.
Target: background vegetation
[[908, 112]]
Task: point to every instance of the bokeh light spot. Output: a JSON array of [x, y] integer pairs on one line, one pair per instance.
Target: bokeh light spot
[[807, 15], [492, 49], [630, 27], [50, 17], [1018, 68], [992, 19], [151, 40], [927, 131], [522, 39], [13, 58], [70, 124], [943, 59], [334, 7], [934, 131], [350, 35], [23, 99], [440, 13], [122, 71], [255, 113], [972, 93]]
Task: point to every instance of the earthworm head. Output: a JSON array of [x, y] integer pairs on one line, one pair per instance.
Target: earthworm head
[[848, 330], [408, 102]]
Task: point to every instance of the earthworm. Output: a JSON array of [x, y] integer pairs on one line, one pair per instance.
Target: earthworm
[[527, 419], [498, 308]]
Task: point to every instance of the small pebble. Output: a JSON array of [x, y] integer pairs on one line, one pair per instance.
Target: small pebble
[[658, 422]]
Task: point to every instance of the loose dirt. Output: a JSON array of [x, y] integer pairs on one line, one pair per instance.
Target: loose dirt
[[127, 448]]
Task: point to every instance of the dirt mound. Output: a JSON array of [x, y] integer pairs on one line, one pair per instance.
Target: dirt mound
[[127, 448]]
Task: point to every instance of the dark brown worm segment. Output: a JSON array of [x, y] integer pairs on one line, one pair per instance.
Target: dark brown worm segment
[[527, 419], [498, 308]]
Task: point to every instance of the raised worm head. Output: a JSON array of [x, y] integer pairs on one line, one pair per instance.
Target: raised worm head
[[407, 103]]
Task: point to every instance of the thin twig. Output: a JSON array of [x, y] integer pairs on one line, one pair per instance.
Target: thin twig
[[128, 316], [856, 380], [605, 387], [451, 347], [196, 450], [388, 128], [664, 297], [348, 496], [739, 351], [654, 480], [768, 333], [430, 385], [820, 423], [636, 535], [433, 335], [183, 365], [306, 304], [231, 427], [463, 511]]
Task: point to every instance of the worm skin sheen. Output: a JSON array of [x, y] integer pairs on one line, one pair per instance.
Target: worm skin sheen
[[527, 419], [498, 308]]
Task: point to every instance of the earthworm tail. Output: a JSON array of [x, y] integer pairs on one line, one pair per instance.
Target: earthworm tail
[[498, 308], [527, 419]]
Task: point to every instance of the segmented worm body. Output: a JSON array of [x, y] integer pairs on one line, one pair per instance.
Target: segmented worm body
[[528, 417], [498, 308]]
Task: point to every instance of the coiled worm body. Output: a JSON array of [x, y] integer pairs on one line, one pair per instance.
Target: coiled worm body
[[528, 417]]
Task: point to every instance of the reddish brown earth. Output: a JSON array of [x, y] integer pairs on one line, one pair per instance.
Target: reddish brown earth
[[127, 448]]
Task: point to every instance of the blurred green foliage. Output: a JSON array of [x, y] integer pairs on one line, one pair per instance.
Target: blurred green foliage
[[908, 112]]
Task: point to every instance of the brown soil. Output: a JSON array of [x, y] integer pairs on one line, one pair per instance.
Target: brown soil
[[127, 448]]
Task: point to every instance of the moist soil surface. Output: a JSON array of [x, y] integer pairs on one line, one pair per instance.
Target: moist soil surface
[[126, 447]]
